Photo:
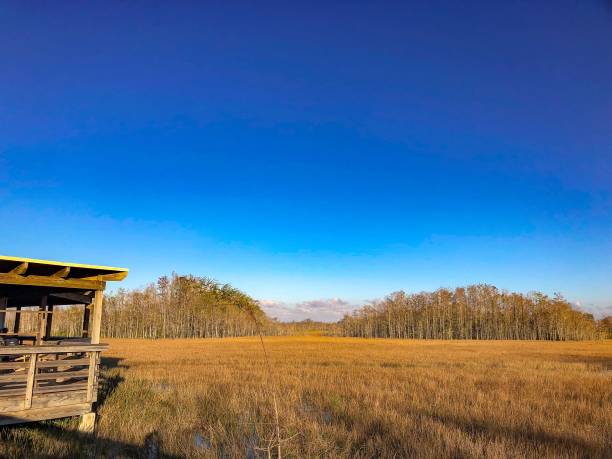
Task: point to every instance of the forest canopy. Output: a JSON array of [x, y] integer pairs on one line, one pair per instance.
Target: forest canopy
[[198, 307], [474, 312], [183, 307]]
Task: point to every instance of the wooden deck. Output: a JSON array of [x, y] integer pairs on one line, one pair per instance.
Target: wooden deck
[[49, 381]]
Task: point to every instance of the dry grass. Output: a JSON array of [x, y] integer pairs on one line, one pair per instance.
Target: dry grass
[[343, 397]]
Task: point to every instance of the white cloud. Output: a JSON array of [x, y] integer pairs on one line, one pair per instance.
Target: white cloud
[[329, 310], [599, 312]]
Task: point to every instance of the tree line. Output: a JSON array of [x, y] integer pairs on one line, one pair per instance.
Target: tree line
[[173, 307], [474, 312], [197, 307], [183, 307]]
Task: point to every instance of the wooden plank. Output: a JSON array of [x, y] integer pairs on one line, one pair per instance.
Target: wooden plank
[[61, 388], [59, 399], [52, 349], [10, 404], [62, 363], [96, 322], [14, 377], [32, 311], [30, 383], [10, 392], [13, 385], [62, 375], [40, 414], [47, 281], [13, 365]]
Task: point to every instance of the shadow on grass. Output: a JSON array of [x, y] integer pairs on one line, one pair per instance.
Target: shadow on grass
[[561, 445], [109, 382], [27, 441], [109, 363], [59, 438]]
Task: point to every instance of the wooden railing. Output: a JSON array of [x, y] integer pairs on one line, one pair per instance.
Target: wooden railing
[[33, 377]]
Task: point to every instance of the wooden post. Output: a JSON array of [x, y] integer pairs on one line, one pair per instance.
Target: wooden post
[[49, 322], [96, 323], [87, 423], [86, 315], [3, 303], [30, 381], [41, 320], [88, 420], [17, 320]]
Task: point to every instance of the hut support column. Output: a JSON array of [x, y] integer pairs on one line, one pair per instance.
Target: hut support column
[[49, 322], [42, 323], [88, 420], [86, 315], [96, 323], [87, 423], [3, 303], [17, 322]]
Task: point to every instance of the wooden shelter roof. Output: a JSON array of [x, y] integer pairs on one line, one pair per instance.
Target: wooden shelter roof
[[48, 268], [23, 280]]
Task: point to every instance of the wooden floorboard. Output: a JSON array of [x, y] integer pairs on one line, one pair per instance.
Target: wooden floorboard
[[40, 414]]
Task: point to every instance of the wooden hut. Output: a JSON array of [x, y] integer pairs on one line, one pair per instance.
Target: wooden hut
[[44, 376]]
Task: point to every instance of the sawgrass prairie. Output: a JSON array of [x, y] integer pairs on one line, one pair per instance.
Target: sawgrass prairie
[[341, 397]]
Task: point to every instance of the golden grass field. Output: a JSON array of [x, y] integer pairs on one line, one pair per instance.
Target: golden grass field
[[342, 397]]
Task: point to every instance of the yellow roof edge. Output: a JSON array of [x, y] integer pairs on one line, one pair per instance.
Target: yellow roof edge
[[61, 263]]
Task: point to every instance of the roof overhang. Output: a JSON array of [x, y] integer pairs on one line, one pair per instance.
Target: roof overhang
[[27, 278]]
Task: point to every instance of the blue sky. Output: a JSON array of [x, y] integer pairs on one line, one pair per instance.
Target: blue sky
[[315, 155]]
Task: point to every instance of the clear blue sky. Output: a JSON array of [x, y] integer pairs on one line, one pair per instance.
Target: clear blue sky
[[316, 150]]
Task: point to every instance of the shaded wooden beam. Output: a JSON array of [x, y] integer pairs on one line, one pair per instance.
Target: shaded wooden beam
[[86, 315], [49, 322], [20, 269], [46, 281], [41, 320], [63, 273], [3, 304], [108, 277], [76, 297], [17, 322]]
